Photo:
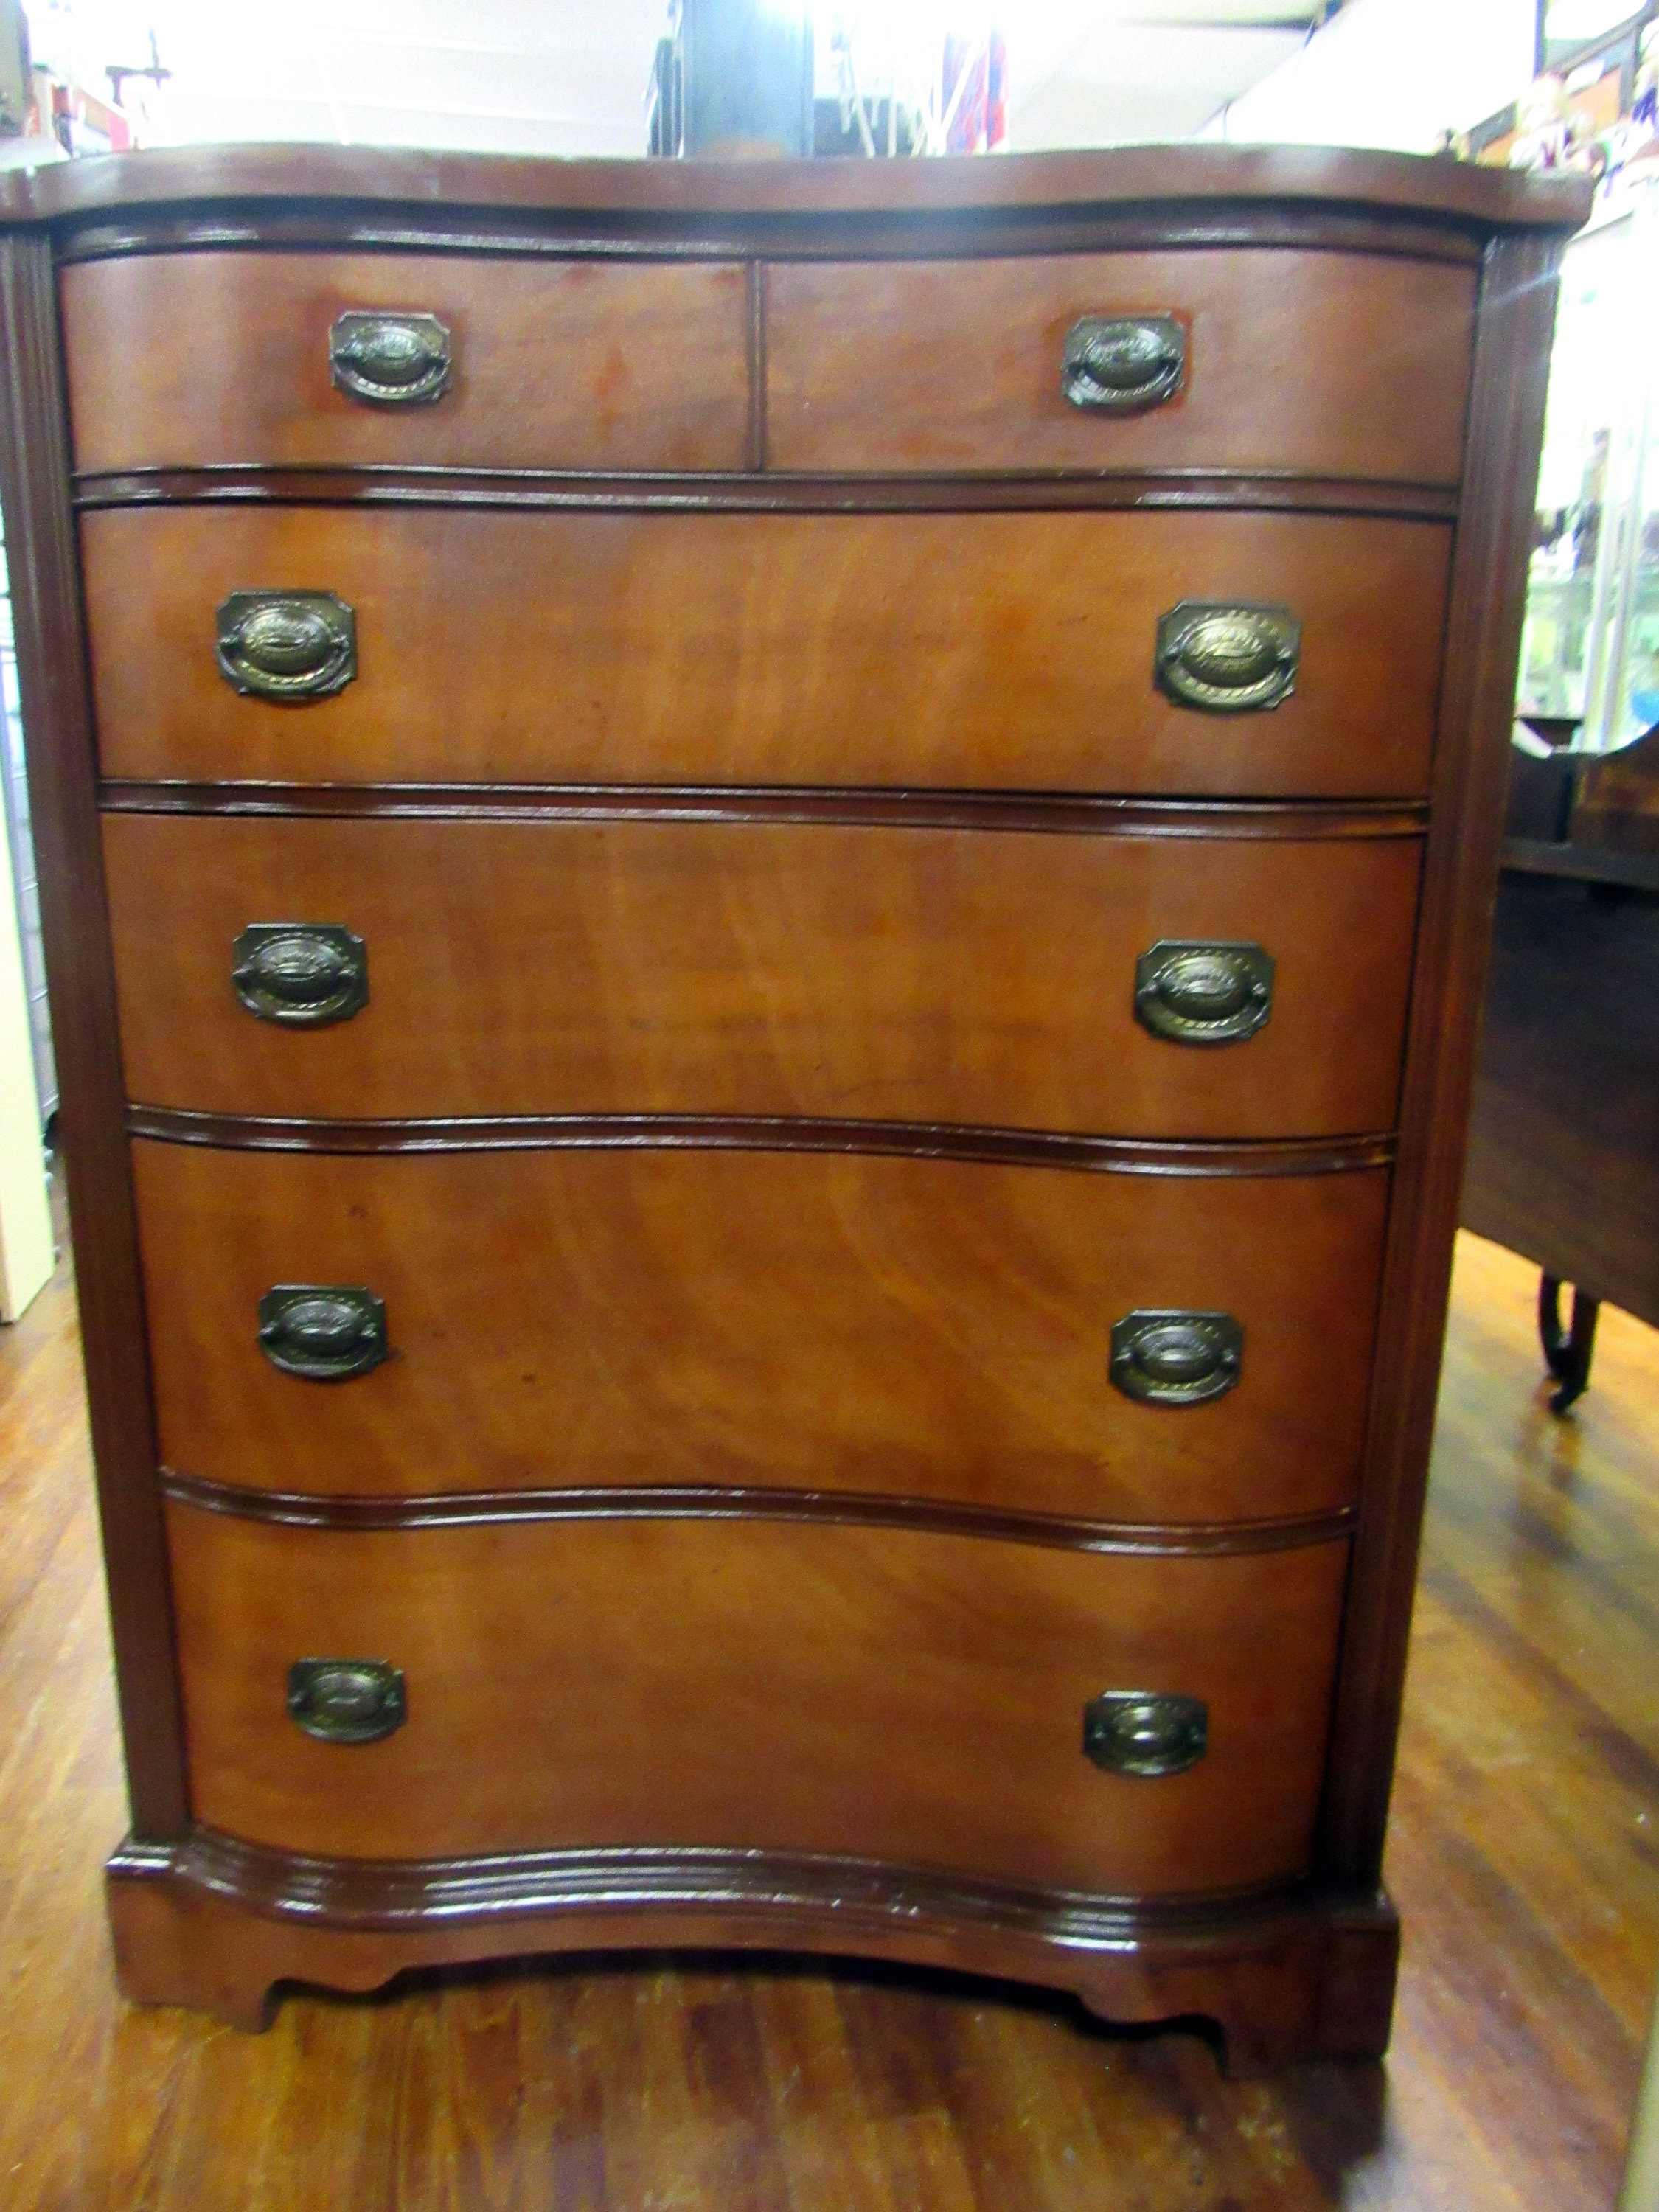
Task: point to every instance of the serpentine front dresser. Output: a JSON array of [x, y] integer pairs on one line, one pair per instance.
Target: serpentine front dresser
[[766, 888]]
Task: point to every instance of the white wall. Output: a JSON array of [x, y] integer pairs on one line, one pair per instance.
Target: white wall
[[1392, 73], [26, 1251]]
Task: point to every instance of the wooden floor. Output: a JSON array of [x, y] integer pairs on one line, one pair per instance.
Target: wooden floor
[[1525, 1858]]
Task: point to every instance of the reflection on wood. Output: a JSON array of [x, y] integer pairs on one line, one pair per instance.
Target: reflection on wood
[[1523, 1855]]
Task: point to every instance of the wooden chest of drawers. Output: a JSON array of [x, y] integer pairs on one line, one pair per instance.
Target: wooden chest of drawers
[[766, 891]]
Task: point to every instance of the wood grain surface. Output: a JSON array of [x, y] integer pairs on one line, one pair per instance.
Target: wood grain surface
[[758, 1685], [630, 966], [1564, 1144], [989, 651], [196, 358], [928, 1329], [1528, 1787], [344, 189], [1320, 364], [1459, 881], [52, 676]]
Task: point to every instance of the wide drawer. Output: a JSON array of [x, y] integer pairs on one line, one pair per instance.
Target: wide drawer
[[879, 973], [999, 651], [1314, 363], [581, 1316], [876, 1693], [192, 359]]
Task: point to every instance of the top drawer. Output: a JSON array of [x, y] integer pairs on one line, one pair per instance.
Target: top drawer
[[1314, 363], [191, 359]]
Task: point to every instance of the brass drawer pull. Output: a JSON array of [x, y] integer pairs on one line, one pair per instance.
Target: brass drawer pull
[[1197, 991], [389, 360], [346, 1701], [1147, 1733], [322, 1332], [1225, 660], [287, 645], [304, 973], [1172, 1357], [1118, 364]]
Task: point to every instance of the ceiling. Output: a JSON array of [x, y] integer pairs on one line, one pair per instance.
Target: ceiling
[[568, 77]]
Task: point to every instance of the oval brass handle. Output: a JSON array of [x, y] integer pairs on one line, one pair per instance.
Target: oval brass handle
[[303, 973], [287, 646], [389, 360], [1145, 1733], [1227, 660], [1118, 364], [1199, 991], [322, 1332], [346, 1701], [1173, 1357]]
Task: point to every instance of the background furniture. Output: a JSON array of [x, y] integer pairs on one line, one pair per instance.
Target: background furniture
[[1563, 1153], [1564, 1141], [767, 902]]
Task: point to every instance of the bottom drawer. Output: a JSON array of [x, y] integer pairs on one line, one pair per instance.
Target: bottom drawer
[[759, 1684]]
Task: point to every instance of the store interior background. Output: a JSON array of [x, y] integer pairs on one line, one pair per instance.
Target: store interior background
[[1529, 1802]]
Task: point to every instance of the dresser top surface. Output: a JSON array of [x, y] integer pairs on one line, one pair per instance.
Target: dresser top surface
[[1159, 180]]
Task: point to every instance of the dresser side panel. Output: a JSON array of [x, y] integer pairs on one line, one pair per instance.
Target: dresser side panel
[[52, 669], [1494, 542]]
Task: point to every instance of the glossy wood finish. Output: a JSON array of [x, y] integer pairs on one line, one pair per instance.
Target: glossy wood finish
[[1563, 1146], [198, 358], [1528, 1759], [632, 966], [1309, 1972], [46, 616], [991, 651], [1507, 415], [348, 187], [915, 1699], [1314, 363], [918, 1328]]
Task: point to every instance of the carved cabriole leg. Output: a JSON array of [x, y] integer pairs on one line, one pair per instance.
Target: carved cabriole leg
[[1284, 1980]]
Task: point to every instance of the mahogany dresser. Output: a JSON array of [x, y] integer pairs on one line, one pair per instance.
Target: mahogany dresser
[[766, 889]]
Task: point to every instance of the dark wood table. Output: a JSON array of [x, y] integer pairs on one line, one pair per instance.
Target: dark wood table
[[1563, 1144]]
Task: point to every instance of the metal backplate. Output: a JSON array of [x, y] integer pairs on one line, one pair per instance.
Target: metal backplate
[[304, 973], [1201, 991], [323, 1332], [346, 1701], [390, 360], [1227, 659], [1172, 1357], [289, 646], [1118, 364], [1145, 1733]]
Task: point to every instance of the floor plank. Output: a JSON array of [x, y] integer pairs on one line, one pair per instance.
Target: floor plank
[[1525, 1858]]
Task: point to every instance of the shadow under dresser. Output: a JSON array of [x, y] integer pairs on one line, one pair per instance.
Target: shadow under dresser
[[766, 889]]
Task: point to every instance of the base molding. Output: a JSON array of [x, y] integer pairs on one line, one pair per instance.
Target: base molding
[[217, 1925]]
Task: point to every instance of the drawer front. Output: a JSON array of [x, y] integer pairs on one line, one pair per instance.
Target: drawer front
[[192, 359], [629, 966], [997, 651], [760, 1686], [933, 1328], [1319, 364]]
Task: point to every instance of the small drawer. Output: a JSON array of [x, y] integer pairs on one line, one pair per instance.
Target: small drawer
[[192, 360], [915, 1698], [1020, 652], [1257, 360], [1156, 986], [999, 1337]]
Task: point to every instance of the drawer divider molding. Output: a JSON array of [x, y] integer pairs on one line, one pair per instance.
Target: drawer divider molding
[[925, 1140], [755, 492], [1060, 813], [744, 1502]]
